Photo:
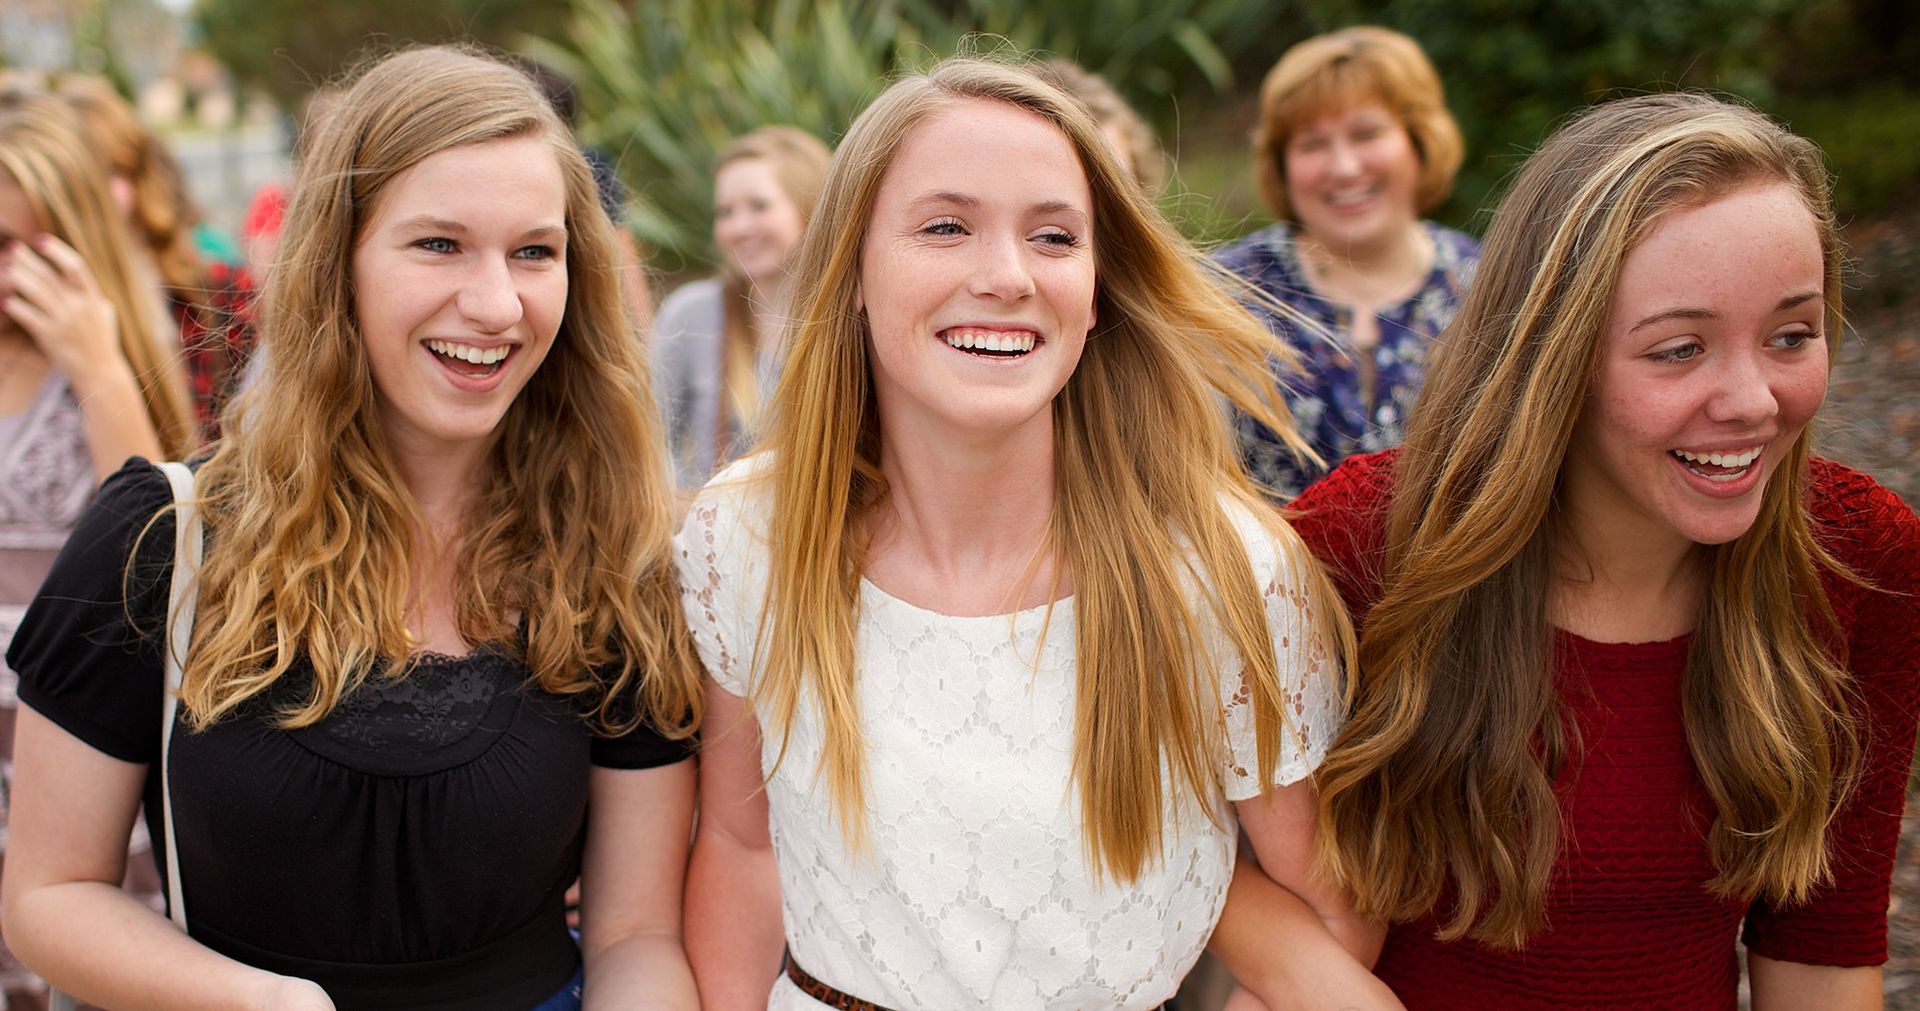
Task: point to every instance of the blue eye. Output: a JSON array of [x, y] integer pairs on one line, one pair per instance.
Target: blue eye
[[537, 253], [437, 245], [1794, 340], [1683, 353], [1059, 237], [945, 226]]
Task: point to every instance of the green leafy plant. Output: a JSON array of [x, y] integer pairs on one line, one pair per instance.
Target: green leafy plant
[[664, 83]]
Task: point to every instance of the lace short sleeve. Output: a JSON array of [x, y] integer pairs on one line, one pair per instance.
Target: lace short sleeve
[[1308, 668], [720, 552]]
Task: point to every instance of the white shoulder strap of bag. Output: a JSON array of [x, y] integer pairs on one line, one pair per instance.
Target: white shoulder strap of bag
[[188, 545], [181, 601]]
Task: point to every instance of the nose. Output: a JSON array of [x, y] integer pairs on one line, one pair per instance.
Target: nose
[[1343, 159], [1001, 272], [489, 299], [1743, 390]]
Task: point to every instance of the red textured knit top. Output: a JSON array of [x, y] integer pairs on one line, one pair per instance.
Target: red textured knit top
[[1630, 921]]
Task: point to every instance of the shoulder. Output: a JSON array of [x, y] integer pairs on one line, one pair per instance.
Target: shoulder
[[1456, 255], [728, 518], [1865, 525], [1256, 251], [694, 305], [1343, 519]]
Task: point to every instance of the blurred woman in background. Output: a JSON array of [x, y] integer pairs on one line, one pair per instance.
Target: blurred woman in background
[[86, 379], [207, 299], [1354, 143], [716, 342]]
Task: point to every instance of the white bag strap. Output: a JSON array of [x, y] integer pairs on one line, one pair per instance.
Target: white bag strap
[[181, 601], [188, 545]]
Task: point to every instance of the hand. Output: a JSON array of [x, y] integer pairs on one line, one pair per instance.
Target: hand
[[52, 296], [286, 993]]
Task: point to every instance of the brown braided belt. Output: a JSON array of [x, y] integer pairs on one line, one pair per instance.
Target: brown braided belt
[[845, 1001]]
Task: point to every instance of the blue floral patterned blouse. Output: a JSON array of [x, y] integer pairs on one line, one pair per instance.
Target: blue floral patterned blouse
[[1328, 402]]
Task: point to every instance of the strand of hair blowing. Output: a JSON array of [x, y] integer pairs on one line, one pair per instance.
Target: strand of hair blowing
[[1438, 797]]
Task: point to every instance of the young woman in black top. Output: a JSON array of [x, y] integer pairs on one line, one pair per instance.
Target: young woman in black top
[[436, 621]]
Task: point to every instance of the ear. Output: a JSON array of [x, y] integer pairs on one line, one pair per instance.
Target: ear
[[859, 298], [122, 189], [1093, 310]]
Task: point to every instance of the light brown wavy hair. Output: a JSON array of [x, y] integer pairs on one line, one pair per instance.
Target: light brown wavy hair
[[311, 527], [1134, 521], [1442, 782], [1327, 73], [44, 149], [799, 163]]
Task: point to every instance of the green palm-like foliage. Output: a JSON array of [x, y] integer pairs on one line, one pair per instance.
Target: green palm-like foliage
[[664, 83]]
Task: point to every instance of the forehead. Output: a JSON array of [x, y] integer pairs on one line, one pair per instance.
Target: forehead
[[985, 150], [18, 219], [744, 176], [512, 180], [1741, 250]]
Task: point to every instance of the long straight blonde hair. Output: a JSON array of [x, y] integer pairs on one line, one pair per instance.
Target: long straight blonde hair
[[1134, 519], [42, 147], [311, 548], [1444, 776]]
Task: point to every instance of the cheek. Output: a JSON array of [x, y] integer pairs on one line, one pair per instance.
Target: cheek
[[1801, 392]]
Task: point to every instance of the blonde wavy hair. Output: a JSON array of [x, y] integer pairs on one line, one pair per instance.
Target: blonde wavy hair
[[43, 148], [1443, 778], [1133, 521], [311, 544]]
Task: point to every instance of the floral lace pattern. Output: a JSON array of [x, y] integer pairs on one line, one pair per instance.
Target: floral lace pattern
[[977, 891]]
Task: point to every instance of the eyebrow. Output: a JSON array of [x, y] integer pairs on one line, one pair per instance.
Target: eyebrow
[[431, 223], [964, 200], [1696, 312]]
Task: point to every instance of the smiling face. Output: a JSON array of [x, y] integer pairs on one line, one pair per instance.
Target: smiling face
[[1352, 177], [460, 284], [977, 273], [755, 223], [1712, 361]]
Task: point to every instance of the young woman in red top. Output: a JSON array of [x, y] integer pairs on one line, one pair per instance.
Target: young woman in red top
[[1635, 667]]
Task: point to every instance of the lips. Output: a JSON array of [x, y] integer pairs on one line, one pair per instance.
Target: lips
[[475, 368], [991, 342]]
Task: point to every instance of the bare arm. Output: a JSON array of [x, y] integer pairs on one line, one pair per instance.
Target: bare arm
[[62, 908], [1290, 938], [631, 885], [1781, 986], [734, 935], [56, 301]]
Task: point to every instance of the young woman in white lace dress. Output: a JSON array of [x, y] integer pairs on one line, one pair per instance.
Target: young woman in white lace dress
[[994, 618]]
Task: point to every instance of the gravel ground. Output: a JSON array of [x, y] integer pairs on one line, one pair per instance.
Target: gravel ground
[[1872, 421]]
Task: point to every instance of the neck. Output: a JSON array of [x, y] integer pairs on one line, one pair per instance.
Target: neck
[[1389, 264], [965, 522], [443, 484], [1617, 581]]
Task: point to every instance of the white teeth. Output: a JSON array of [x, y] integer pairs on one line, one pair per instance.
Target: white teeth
[[469, 353], [978, 339], [1740, 459]]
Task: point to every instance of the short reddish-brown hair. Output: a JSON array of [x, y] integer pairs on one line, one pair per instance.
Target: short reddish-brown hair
[[1331, 72]]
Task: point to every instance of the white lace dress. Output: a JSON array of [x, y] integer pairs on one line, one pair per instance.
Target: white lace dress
[[977, 891]]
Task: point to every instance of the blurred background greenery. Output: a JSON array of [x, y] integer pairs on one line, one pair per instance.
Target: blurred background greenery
[[663, 83]]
